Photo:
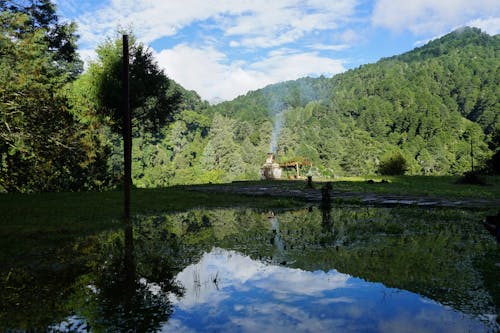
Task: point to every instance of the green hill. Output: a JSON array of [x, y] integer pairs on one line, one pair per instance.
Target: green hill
[[428, 106]]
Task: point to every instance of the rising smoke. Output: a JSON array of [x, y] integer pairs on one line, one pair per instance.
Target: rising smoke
[[286, 95], [278, 123]]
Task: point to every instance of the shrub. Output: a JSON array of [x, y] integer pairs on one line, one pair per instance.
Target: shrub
[[394, 164]]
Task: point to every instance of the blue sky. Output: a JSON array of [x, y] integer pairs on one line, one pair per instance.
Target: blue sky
[[224, 48]]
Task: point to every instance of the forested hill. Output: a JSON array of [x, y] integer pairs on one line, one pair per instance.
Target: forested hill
[[427, 104], [427, 111]]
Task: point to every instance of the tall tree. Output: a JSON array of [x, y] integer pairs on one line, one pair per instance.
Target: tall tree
[[152, 99], [41, 145]]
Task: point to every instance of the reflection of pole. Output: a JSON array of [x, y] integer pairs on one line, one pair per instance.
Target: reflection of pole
[[326, 195], [129, 286], [127, 130], [129, 260]]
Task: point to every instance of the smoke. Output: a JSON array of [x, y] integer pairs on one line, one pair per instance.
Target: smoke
[[278, 124], [289, 95]]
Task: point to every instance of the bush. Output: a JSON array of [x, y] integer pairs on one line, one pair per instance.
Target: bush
[[394, 164]]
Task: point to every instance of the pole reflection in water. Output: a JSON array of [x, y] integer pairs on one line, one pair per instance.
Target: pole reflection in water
[[127, 292]]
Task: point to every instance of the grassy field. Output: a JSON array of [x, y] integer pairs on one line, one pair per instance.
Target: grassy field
[[433, 186]]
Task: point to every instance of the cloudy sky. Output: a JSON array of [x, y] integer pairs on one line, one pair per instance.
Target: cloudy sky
[[224, 48]]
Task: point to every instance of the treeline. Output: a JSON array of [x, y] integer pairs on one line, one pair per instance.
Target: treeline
[[427, 111]]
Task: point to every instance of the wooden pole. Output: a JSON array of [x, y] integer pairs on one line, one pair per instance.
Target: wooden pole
[[127, 130]]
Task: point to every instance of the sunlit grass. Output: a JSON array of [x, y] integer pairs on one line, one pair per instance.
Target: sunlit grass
[[432, 186]]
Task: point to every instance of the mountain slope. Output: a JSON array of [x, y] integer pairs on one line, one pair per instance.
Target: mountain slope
[[429, 104]]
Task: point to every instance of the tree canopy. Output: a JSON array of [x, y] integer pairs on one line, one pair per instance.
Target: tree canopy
[[152, 99]]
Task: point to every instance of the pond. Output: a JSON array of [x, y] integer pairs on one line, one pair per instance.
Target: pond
[[347, 269]]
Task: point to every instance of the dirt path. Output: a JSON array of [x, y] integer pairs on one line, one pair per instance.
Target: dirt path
[[382, 199]]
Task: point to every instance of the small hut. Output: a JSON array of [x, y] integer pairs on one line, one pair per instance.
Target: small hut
[[270, 169]]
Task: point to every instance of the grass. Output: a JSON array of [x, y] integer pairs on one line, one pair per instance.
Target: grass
[[426, 186], [432, 186]]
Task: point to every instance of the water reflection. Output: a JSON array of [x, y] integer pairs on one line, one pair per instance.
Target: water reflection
[[345, 268], [125, 291], [227, 291]]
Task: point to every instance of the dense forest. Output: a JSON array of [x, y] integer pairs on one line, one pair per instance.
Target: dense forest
[[428, 105], [435, 110]]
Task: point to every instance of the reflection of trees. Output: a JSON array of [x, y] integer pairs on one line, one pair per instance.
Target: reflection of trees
[[430, 252], [125, 293], [124, 278], [33, 294]]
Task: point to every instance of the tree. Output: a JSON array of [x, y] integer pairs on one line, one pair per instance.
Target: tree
[[41, 146], [222, 154], [60, 38], [152, 102]]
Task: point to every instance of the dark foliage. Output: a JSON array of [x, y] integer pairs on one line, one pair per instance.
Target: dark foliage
[[394, 164]]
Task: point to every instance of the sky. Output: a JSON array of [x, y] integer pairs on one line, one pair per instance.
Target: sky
[[225, 48]]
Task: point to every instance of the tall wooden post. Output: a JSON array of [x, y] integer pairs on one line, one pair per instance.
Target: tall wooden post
[[127, 130]]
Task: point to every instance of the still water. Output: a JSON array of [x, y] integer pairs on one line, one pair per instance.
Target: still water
[[346, 269]]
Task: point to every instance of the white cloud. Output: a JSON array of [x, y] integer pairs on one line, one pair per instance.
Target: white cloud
[[327, 47], [258, 22], [214, 76], [227, 291], [247, 24], [430, 16], [88, 55], [489, 25]]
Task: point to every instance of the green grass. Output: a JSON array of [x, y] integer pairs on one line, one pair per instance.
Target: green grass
[[425, 186], [432, 186]]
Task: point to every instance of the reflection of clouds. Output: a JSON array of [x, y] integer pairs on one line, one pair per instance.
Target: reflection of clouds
[[175, 325], [290, 319], [425, 321], [334, 300], [228, 292], [206, 279]]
